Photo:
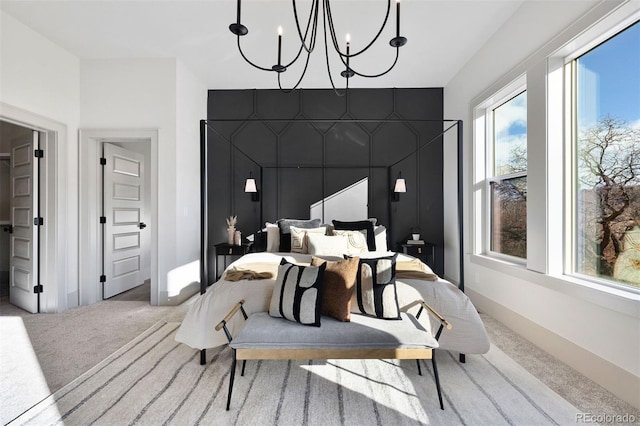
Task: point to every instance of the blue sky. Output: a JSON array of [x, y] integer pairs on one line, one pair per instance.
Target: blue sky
[[611, 73]]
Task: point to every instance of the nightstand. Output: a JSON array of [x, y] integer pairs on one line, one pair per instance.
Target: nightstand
[[425, 252], [229, 252]]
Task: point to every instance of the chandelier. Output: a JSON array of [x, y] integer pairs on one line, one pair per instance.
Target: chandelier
[[308, 39]]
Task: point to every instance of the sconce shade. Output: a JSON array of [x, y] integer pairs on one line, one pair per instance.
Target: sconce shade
[[401, 185], [250, 185]]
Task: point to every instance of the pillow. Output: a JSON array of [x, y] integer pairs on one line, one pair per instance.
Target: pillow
[[356, 241], [375, 291], [380, 236], [273, 237], [339, 279], [297, 293], [329, 245], [361, 225], [285, 230], [299, 238]]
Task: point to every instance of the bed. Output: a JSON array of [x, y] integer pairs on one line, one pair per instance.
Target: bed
[[468, 335]]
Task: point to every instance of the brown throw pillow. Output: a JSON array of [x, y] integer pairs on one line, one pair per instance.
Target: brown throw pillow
[[339, 279]]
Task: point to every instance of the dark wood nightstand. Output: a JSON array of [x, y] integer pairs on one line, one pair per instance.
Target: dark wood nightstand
[[425, 252], [228, 252]]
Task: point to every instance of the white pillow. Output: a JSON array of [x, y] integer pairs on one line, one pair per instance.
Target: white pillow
[[356, 241], [299, 236], [327, 245], [380, 234], [273, 237]]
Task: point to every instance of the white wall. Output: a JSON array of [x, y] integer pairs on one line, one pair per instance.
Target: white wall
[[596, 332], [40, 77], [158, 94]]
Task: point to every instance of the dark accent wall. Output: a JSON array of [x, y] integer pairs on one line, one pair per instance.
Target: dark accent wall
[[297, 161]]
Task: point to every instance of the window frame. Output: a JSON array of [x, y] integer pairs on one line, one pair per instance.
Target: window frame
[[485, 112], [570, 54]]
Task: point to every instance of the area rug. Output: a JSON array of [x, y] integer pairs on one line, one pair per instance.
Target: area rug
[[154, 380]]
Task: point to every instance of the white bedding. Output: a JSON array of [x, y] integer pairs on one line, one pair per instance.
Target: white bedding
[[467, 336]]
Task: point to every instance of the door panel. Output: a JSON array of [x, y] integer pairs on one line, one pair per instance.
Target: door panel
[[23, 244], [123, 188]]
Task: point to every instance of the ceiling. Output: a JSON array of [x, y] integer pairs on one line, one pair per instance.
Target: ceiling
[[442, 36]]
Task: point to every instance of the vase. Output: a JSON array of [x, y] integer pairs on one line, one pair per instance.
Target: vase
[[231, 234]]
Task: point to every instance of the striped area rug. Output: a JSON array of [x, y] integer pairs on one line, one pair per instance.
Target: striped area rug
[[154, 380]]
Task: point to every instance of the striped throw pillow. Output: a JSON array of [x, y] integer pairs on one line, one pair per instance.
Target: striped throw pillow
[[297, 293]]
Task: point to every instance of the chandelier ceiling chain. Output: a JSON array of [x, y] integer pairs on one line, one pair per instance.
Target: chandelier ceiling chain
[[308, 40]]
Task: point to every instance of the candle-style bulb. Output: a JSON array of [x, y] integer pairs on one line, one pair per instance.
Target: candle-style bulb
[[280, 30], [348, 39]]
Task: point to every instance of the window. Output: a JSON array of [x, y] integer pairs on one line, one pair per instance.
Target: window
[[605, 115], [508, 177]]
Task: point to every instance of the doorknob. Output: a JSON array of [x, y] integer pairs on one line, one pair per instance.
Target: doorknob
[[142, 225], [8, 228]]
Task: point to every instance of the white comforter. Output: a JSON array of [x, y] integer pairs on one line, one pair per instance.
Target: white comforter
[[467, 336]]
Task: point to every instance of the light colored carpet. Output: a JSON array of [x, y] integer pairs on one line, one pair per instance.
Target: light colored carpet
[[154, 380]]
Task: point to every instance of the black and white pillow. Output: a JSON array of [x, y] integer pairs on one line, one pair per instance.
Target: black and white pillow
[[375, 290], [361, 225], [285, 230], [297, 293]]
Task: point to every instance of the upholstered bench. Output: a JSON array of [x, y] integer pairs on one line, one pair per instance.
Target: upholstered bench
[[266, 337]]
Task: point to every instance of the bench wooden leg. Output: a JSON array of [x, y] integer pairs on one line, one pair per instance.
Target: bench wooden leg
[[203, 356], [231, 377], [419, 369], [244, 363], [435, 375]]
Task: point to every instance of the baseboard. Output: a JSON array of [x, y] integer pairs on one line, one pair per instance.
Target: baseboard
[[616, 380]]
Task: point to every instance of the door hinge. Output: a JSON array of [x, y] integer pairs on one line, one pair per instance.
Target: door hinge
[[103, 278], [38, 153], [103, 161], [38, 221], [103, 219], [38, 289]]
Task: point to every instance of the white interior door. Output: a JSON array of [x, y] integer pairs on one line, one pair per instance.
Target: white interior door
[[23, 260], [123, 189]]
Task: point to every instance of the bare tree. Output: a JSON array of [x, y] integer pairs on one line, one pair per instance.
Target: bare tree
[[609, 176]]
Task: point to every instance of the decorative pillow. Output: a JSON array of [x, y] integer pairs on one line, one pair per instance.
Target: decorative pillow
[[361, 225], [285, 230], [328, 245], [339, 279], [380, 235], [356, 241], [273, 237], [297, 293], [375, 291], [299, 238]]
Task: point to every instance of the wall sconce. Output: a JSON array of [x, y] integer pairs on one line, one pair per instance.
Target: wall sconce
[[250, 186], [399, 187]]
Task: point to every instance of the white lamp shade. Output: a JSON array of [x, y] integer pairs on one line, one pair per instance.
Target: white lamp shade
[[250, 185], [401, 186]]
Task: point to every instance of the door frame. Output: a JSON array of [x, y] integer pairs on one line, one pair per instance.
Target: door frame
[[55, 262], [89, 200]]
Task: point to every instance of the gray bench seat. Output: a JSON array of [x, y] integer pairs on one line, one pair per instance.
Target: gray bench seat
[[266, 337]]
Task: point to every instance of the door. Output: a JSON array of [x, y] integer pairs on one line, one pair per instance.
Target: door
[[23, 257], [123, 192]]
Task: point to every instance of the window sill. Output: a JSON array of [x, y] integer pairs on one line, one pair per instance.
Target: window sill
[[625, 302]]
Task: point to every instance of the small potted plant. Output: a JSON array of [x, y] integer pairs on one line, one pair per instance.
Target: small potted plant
[[415, 233]]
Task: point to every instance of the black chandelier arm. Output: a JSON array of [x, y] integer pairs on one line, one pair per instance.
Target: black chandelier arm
[[312, 14], [326, 55], [304, 71], [327, 6], [247, 59], [380, 74]]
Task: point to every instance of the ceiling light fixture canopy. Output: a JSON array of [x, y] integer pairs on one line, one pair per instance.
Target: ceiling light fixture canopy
[[308, 40]]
